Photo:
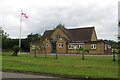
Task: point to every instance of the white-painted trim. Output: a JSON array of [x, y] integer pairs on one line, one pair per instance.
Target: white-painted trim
[[60, 45], [75, 43], [69, 46], [46, 45], [93, 46]]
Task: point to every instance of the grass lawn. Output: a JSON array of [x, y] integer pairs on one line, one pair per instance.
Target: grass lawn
[[93, 66]]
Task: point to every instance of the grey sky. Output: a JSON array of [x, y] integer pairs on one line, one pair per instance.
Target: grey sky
[[46, 14]]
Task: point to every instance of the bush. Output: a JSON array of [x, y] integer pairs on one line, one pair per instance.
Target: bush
[[16, 50]]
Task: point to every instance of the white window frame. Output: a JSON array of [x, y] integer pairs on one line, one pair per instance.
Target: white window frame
[[93, 46], [58, 36], [70, 46], [109, 46], [79, 46], [46, 45], [33, 47], [60, 45], [105, 46]]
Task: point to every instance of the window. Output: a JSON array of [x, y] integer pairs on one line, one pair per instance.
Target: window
[[57, 36], [105, 46], [33, 47], [79, 46], [109, 46], [60, 45], [93, 46], [70, 46], [46, 45]]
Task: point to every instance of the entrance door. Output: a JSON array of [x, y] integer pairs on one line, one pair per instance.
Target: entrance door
[[54, 48]]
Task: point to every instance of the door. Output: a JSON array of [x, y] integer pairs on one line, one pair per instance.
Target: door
[[54, 48]]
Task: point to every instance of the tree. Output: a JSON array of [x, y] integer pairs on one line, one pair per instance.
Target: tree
[[4, 39], [34, 48], [33, 38], [87, 50], [56, 55], [82, 51], [25, 47], [7, 43], [114, 52], [119, 40], [119, 24], [44, 47], [16, 50], [115, 48]]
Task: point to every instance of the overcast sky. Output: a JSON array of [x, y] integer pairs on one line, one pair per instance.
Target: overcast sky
[[46, 14]]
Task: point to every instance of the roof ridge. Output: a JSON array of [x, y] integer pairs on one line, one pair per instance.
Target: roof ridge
[[81, 28], [74, 34], [49, 30], [71, 28], [66, 32]]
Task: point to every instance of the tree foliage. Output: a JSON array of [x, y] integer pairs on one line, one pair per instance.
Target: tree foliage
[[33, 38], [119, 24], [9, 43], [16, 50], [83, 50]]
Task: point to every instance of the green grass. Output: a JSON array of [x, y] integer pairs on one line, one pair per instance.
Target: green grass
[[93, 66]]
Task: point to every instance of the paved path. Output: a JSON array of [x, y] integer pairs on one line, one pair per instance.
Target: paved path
[[38, 77], [67, 54]]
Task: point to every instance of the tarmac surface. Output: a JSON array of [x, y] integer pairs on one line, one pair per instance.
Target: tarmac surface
[[18, 76]]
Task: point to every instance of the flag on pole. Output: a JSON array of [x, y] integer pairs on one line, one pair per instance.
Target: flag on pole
[[24, 15]]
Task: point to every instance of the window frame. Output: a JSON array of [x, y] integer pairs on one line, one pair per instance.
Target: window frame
[[60, 45], [80, 46], [58, 36], [33, 47], [47, 45], [109, 46], [105, 46], [70, 46], [93, 46]]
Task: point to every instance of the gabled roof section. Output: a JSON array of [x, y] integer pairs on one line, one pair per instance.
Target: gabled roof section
[[66, 32], [47, 33], [76, 34], [81, 34], [66, 40]]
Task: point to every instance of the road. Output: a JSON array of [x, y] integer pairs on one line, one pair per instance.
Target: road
[[29, 77]]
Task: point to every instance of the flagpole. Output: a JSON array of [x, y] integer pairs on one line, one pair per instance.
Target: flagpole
[[20, 31]]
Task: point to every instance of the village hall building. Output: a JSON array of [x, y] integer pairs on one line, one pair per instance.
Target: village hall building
[[63, 40]]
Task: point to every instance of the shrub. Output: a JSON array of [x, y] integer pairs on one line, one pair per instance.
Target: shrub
[[16, 50]]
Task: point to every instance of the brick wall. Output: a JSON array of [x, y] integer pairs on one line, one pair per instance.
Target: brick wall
[[59, 49]]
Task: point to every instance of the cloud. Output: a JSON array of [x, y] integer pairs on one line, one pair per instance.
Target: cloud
[[46, 14]]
